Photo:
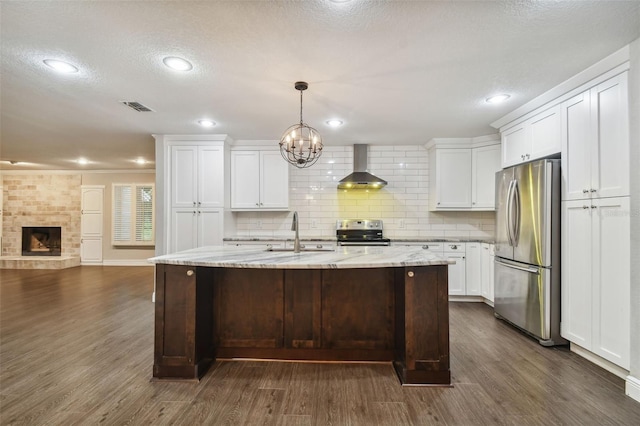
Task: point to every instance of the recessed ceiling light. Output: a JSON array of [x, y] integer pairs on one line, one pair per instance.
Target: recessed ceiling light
[[178, 64], [496, 99], [60, 66], [206, 123], [82, 161], [334, 122], [141, 161]]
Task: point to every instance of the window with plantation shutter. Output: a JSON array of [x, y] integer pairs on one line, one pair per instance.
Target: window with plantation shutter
[[133, 215]]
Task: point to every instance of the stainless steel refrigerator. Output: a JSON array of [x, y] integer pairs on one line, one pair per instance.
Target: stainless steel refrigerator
[[527, 262]]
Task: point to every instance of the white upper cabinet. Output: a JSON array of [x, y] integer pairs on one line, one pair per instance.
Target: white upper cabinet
[[537, 137], [452, 178], [197, 176], [485, 162], [462, 175], [192, 190], [259, 180], [595, 148]]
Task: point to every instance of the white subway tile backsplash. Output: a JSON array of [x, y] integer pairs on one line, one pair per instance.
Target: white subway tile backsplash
[[314, 195]]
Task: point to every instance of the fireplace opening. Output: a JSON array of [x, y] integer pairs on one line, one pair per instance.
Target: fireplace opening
[[41, 241]]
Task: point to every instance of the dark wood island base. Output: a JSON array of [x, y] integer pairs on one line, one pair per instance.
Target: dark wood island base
[[397, 314]]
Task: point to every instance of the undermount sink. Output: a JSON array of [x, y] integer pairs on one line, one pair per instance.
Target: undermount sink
[[290, 249]]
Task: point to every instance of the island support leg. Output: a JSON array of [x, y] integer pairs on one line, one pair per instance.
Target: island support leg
[[422, 325], [183, 322]]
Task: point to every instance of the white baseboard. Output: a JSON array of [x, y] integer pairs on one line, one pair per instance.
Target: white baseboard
[[632, 387], [127, 262], [599, 361], [466, 298]]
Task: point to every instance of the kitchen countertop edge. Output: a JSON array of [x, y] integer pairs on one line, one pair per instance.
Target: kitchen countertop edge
[[341, 258]]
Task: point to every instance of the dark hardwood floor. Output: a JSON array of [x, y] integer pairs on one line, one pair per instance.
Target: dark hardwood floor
[[76, 347]]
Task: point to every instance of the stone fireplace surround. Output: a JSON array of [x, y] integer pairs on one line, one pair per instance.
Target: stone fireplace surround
[[40, 200]]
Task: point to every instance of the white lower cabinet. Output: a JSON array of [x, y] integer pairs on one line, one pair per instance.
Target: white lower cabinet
[[313, 244], [191, 228], [596, 277], [487, 256], [472, 274], [473, 269], [457, 271], [256, 244]]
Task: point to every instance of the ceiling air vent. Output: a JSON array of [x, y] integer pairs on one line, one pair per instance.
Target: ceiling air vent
[[137, 106]]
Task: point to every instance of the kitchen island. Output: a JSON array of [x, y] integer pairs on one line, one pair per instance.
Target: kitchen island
[[348, 304]]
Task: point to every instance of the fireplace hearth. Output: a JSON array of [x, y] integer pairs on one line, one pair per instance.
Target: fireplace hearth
[[41, 241]]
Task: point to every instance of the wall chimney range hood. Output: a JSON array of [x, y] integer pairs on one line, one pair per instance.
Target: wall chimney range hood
[[361, 178]]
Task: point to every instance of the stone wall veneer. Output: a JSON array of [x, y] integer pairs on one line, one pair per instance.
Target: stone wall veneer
[[41, 200]]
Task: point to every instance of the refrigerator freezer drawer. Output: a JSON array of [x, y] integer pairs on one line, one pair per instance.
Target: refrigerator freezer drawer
[[523, 296]]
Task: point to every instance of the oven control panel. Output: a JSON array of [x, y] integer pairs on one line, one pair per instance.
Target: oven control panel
[[357, 224]]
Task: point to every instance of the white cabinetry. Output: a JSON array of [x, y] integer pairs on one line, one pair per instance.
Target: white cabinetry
[[462, 173], [596, 277], [196, 195], [473, 269], [256, 244], [91, 233], [457, 272], [451, 178], [313, 244], [595, 145], [197, 176], [537, 137], [259, 180], [488, 257], [485, 162]]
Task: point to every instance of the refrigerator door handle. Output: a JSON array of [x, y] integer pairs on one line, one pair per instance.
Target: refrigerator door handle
[[509, 212], [516, 221], [531, 269]]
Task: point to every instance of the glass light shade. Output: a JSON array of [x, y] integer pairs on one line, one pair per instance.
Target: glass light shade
[[301, 145]]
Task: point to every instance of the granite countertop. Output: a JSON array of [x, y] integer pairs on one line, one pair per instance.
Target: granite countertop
[[393, 240], [341, 258]]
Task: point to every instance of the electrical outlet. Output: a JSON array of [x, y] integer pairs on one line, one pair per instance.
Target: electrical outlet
[[401, 223], [314, 224], [258, 224]]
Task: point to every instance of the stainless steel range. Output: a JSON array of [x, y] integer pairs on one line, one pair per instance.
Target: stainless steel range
[[360, 232]]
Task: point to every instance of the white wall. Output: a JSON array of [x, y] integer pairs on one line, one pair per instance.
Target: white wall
[[402, 204]]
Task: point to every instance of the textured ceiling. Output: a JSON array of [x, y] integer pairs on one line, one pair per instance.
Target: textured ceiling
[[396, 72]]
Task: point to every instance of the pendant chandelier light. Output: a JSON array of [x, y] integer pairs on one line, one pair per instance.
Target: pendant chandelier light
[[301, 145]]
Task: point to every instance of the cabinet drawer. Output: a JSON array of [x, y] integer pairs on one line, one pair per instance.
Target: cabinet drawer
[[454, 247]]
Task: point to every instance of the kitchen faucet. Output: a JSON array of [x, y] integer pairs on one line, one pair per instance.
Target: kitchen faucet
[[294, 227]]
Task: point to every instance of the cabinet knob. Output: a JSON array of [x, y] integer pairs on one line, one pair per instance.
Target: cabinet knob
[[194, 204], [194, 212], [410, 274], [319, 246], [594, 207], [585, 207], [474, 203], [190, 273], [593, 190], [438, 203], [425, 247], [522, 157], [528, 156], [585, 191], [257, 204], [199, 203], [454, 247]]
